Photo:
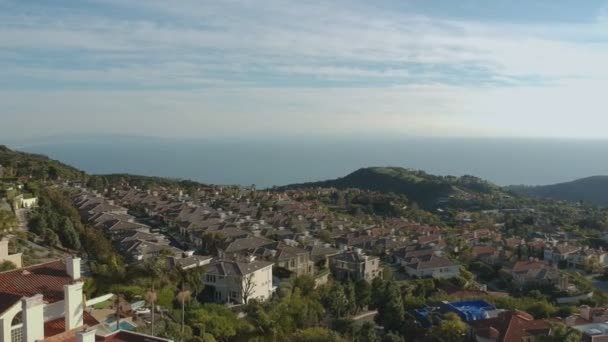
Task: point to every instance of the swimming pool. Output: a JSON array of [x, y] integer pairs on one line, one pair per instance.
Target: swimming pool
[[123, 325]]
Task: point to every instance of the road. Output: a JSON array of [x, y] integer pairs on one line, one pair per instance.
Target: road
[[22, 219], [366, 316]]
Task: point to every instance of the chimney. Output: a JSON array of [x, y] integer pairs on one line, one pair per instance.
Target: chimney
[[72, 267], [74, 305], [86, 336], [571, 321], [33, 318], [3, 248], [585, 311]]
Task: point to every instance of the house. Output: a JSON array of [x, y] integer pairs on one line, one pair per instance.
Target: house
[[560, 253], [509, 326], [238, 282], [45, 302], [488, 254], [294, 259], [586, 255], [593, 332], [188, 260], [588, 315], [320, 254], [234, 248], [355, 265], [25, 201], [534, 272], [431, 265]]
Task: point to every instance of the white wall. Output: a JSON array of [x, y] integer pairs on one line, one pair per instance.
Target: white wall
[[6, 320], [54, 310], [262, 288]]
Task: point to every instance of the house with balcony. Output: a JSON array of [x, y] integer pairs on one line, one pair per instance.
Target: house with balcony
[[355, 265]]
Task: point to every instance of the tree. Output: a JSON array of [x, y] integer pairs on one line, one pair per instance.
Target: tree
[[392, 337], [336, 301], [317, 334], [305, 283], [451, 329], [216, 320], [377, 292], [247, 285], [363, 294], [351, 298], [151, 299], [390, 309], [541, 309], [182, 297], [367, 333], [7, 266], [560, 332]]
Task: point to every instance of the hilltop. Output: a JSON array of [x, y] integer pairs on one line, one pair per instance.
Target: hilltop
[[592, 190], [418, 186], [20, 164]]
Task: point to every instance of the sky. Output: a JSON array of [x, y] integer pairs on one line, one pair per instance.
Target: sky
[[198, 68]]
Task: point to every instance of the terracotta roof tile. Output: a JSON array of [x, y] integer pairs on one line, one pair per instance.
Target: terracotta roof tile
[[47, 279], [57, 326]]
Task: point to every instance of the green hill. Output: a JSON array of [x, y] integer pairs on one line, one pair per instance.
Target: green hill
[[418, 186], [35, 166], [592, 190]]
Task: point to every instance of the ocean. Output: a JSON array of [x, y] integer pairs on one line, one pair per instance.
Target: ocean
[[265, 163]]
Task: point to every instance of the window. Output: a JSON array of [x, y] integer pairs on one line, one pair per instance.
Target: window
[[210, 278], [17, 333]]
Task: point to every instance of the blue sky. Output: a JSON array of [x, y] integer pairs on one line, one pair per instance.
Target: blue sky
[[304, 68]]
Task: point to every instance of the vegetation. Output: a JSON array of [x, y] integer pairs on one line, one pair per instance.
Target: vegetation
[[419, 187], [27, 165], [593, 190]]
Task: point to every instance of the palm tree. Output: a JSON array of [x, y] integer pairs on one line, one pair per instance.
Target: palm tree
[[119, 310], [182, 297], [151, 298]]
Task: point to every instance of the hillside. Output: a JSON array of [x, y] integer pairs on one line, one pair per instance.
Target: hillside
[[418, 186], [20, 164], [592, 190]]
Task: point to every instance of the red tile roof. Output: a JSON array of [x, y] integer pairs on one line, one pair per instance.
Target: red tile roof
[[128, 336], [510, 326], [57, 326], [47, 279]]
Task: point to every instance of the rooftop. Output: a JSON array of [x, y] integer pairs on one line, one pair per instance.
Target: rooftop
[[47, 279]]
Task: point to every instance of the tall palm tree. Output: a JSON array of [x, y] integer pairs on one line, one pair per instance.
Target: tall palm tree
[[151, 298], [119, 310], [182, 297]]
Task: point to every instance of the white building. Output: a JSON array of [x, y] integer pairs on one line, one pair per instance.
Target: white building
[[15, 259], [238, 282], [45, 303], [22, 202], [434, 266]]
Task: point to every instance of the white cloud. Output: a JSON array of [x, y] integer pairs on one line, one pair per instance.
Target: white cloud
[[249, 66]]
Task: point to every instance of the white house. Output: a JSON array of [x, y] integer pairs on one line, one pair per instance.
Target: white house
[[45, 302], [24, 202], [432, 266], [238, 282]]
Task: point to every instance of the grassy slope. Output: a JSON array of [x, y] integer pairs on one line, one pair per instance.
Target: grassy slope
[[591, 189]]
